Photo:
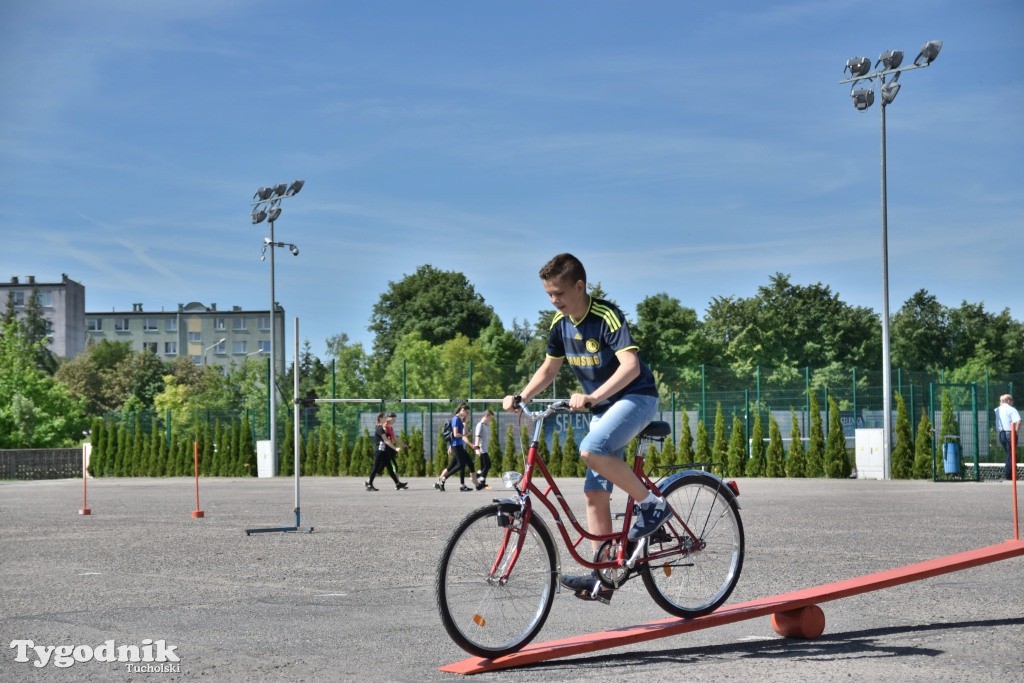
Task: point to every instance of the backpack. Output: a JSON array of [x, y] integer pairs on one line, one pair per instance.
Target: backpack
[[446, 432]]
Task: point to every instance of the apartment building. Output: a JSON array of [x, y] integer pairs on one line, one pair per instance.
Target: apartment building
[[62, 305], [204, 334]]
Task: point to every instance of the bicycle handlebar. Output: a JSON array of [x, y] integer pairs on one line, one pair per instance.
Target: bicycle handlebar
[[556, 407]]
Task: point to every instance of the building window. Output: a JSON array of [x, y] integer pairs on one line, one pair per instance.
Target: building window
[[121, 324], [149, 346], [238, 323], [264, 323], [195, 337], [46, 299], [94, 324], [238, 347], [171, 325], [18, 298], [171, 348], [149, 325], [221, 347], [219, 324], [198, 360], [265, 346]]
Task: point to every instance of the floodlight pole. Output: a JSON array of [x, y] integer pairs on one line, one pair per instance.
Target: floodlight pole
[[267, 206], [893, 71], [886, 355]]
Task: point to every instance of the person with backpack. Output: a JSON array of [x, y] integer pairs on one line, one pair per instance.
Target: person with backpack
[[461, 461]]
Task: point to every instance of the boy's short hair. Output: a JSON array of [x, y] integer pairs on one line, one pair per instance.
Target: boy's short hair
[[564, 266]]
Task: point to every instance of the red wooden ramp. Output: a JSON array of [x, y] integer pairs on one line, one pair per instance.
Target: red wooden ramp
[[794, 614]]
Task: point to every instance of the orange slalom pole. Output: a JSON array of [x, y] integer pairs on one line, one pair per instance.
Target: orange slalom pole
[[197, 513], [85, 472]]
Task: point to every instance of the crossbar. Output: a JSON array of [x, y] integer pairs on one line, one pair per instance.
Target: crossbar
[[786, 602]]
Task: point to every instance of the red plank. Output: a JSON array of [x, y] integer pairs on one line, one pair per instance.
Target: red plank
[[566, 647]]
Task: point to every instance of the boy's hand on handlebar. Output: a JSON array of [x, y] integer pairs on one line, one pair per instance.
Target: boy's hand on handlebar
[[580, 402], [508, 404]]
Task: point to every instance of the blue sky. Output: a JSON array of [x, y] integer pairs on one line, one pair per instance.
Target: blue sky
[[679, 147]]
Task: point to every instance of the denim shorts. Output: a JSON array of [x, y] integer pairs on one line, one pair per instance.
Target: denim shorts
[[611, 431]]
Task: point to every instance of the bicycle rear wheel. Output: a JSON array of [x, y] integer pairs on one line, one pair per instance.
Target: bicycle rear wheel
[[483, 614], [688, 577]]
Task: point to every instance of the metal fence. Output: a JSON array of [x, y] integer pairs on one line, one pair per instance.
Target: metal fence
[[41, 463]]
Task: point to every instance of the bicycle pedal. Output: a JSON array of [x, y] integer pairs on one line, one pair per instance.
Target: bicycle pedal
[[599, 593]]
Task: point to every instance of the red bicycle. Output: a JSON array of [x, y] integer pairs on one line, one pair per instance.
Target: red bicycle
[[498, 574]]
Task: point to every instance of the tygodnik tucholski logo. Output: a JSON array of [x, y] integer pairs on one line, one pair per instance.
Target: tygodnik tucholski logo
[[150, 656]]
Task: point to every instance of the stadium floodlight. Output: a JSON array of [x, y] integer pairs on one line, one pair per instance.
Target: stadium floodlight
[[258, 216], [858, 66], [929, 51], [294, 188], [263, 193], [280, 189], [890, 59], [889, 91], [863, 98]]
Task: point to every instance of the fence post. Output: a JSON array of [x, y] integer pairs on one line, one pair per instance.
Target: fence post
[[746, 422], [855, 397], [703, 395]]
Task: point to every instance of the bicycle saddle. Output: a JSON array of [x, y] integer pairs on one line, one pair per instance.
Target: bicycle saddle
[[655, 430]]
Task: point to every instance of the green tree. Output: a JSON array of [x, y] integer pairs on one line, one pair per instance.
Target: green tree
[[670, 337], [816, 443], [775, 456], [97, 441], [436, 305], [923, 459], [920, 333], [737, 449], [703, 452], [719, 445], [837, 462], [756, 465], [903, 454], [36, 411], [796, 463], [247, 447], [286, 466], [686, 452]]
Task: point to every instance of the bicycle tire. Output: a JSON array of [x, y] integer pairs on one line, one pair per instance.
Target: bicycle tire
[[485, 617], [686, 580]]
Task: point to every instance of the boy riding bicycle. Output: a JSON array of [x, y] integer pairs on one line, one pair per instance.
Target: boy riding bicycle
[[592, 334]]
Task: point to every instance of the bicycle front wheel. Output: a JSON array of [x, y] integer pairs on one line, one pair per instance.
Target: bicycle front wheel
[[484, 612], [692, 567]]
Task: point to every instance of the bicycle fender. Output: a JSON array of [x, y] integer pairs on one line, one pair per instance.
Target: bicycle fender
[[707, 475]]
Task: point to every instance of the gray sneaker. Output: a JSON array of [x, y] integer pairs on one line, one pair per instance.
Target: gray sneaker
[[649, 518]]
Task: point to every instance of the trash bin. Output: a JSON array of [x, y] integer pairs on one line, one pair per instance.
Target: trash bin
[[951, 455]]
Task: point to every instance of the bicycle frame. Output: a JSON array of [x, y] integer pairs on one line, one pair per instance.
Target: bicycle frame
[[527, 490]]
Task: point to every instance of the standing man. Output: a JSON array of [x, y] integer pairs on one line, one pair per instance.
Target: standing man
[[1007, 422], [593, 336]]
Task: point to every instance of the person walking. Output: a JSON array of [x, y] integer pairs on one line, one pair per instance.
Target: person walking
[[460, 461], [481, 440], [592, 335], [1007, 423], [385, 452]]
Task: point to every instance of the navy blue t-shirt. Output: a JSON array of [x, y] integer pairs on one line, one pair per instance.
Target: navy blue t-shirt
[[589, 347]]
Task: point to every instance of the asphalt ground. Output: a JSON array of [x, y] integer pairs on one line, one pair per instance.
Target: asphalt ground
[[354, 600]]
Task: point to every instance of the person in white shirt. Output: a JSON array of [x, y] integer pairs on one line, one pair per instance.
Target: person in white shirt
[[1007, 422], [480, 444]]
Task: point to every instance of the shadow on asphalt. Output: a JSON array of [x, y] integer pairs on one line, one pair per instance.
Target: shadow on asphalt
[[847, 646]]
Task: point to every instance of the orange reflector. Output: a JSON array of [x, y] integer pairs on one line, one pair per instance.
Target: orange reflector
[[667, 569], [479, 620]]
